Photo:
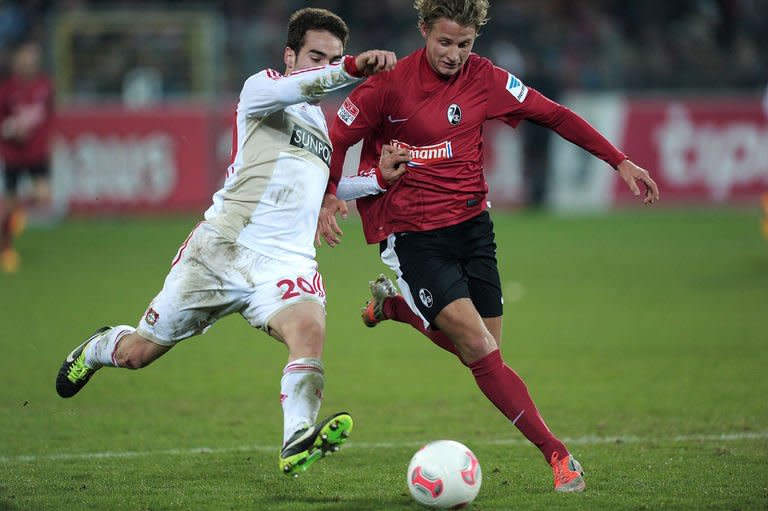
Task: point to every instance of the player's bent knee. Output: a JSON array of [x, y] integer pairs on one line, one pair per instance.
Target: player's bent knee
[[305, 338], [313, 331], [472, 352], [308, 333]]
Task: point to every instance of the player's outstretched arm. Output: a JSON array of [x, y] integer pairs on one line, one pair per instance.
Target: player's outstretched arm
[[632, 173], [269, 91]]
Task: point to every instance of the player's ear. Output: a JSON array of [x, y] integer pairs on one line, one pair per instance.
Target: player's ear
[[289, 57], [424, 29]]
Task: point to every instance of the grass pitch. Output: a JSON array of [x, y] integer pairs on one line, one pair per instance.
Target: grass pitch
[[642, 335]]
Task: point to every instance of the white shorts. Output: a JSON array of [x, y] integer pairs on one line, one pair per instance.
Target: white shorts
[[212, 277]]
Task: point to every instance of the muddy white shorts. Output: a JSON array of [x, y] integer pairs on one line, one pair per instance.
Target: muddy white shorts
[[213, 276]]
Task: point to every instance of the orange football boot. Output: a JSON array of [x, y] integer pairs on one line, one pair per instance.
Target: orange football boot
[[9, 260], [569, 477]]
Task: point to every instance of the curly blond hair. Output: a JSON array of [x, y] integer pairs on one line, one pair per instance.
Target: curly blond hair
[[464, 12]]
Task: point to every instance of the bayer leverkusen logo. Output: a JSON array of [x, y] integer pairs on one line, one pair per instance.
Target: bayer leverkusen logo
[[151, 316]]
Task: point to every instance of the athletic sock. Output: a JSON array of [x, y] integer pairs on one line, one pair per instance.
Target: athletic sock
[[301, 391], [505, 389], [101, 351], [397, 309]]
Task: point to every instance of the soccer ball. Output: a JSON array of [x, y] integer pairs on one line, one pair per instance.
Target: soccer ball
[[444, 474]]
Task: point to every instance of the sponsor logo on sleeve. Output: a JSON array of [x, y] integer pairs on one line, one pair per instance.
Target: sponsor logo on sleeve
[[348, 112], [306, 140], [516, 88]]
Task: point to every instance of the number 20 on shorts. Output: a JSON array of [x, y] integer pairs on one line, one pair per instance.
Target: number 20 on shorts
[[292, 288]]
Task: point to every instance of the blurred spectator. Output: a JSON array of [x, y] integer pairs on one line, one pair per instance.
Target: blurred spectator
[[26, 117], [582, 44], [552, 45], [13, 23]]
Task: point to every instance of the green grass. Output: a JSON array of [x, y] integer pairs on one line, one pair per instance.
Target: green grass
[[643, 335]]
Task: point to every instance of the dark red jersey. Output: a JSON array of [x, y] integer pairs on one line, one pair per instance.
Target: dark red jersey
[[441, 121], [28, 104]]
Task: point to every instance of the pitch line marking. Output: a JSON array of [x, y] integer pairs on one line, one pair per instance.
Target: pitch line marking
[[583, 440]]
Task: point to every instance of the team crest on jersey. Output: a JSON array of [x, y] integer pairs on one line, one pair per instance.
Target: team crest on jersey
[[454, 114], [151, 316], [516, 88], [426, 298], [348, 112], [422, 155]]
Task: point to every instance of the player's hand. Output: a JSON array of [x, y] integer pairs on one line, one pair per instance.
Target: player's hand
[[327, 227], [631, 173], [392, 163], [375, 61]]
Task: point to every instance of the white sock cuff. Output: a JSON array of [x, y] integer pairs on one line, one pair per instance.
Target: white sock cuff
[[101, 351], [119, 332], [304, 365]]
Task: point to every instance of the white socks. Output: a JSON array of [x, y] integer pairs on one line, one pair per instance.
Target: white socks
[[301, 390], [100, 351]]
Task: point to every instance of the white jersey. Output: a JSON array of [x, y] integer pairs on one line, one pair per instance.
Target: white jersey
[[274, 187]]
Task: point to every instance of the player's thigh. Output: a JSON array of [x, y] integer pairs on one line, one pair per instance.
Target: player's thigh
[[301, 327], [482, 272], [282, 286], [481, 266], [430, 277], [205, 283]]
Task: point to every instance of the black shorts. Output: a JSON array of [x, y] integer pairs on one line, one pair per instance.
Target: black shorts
[[443, 265], [13, 173]]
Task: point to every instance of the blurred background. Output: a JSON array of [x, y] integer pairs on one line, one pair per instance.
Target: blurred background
[[145, 90]]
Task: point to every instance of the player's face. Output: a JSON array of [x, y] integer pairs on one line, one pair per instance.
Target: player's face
[[320, 48], [448, 45], [26, 61]]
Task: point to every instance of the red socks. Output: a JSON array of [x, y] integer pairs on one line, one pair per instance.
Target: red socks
[[500, 384], [505, 389]]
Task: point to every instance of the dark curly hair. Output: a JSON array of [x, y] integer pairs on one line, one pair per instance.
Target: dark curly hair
[[311, 18]]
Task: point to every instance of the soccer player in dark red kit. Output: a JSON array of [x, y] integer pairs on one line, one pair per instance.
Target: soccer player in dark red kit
[[431, 222], [26, 118]]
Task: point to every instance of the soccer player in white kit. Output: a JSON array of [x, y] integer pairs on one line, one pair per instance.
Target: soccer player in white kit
[[254, 252]]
